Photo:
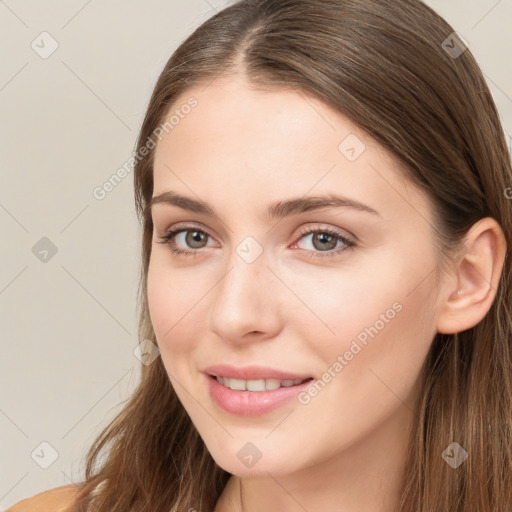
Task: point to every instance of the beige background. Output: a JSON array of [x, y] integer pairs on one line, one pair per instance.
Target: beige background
[[69, 121]]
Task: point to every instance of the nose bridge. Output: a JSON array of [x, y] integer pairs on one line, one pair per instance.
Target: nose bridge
[[246, 265], [243, 281], [242, 300]]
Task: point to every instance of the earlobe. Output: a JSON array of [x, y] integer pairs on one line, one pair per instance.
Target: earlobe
[[476, 275]]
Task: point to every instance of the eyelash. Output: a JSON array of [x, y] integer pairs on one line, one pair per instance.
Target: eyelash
[[168, 239]]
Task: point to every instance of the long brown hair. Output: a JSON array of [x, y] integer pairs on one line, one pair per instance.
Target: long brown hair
[[387, 66]]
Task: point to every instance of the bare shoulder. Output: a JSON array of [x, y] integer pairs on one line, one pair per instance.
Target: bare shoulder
[[51, 500]]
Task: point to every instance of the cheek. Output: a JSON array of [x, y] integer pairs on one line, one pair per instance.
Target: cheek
[[159, 300], [381, 363], [171, 302], [337, 304], [178, 304], [378, 319], [367, 372]]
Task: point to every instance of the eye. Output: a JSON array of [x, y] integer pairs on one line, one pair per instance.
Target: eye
[[325, 239], [193, 236]]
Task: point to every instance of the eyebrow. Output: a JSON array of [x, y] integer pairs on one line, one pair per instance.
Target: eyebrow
[[279, 209]]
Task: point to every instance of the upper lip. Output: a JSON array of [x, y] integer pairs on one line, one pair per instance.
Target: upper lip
[[252, 372]]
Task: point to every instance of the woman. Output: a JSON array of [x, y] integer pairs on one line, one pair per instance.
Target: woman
[[326, 273]]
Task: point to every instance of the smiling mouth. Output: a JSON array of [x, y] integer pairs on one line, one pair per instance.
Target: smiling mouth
[[256, 385]]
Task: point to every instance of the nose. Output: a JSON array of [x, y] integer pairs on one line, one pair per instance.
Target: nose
[[246, 302]]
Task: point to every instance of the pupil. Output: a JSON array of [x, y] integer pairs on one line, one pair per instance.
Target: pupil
[[326, 240], [196, 237]]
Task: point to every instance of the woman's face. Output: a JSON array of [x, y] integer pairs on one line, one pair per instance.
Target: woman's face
[[285, 291]]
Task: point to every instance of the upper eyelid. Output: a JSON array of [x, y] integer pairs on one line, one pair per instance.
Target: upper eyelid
[[298, 233]]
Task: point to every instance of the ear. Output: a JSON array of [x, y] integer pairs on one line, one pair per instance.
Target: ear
[[476, 275]]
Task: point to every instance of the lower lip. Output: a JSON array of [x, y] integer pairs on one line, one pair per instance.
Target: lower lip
[[251, 403]]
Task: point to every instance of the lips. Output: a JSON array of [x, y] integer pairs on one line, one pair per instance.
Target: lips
[[250, 403], [253, 372], [257, 385]]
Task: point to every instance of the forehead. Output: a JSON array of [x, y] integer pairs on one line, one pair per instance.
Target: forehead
[[240, 144]]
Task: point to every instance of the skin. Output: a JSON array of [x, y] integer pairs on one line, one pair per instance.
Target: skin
[[239, 150]]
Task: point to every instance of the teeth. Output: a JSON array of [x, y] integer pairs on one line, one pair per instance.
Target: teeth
[[256, 385]]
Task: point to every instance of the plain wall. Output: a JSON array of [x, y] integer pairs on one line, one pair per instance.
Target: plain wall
[[69, 121]]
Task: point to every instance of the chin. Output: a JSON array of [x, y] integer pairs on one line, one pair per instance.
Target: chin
[[247, 459]]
